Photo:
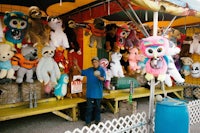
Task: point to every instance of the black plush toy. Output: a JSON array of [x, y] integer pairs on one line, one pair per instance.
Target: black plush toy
[[69, 31]]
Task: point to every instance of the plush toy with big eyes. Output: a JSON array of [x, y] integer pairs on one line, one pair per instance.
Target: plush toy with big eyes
[[122, 34], [16, 25], [154, 48]]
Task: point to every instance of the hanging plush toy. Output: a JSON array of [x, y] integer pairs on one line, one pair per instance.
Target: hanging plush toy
[[16, 26], [172, 71], [60, 90], [154, 48], [122, 34], [98, 32], [47, 69], [6, 53], [25, 62], [71, 35], [57, 36], [104, 63], [37, 31], [132, 39]]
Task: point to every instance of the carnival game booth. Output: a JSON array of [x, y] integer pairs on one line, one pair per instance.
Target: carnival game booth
[[57, 86]]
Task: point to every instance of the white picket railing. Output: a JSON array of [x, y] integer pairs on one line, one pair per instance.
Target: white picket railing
[[136, 123], [194, 111]]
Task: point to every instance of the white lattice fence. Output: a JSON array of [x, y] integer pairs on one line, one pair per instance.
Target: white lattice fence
[[136, 123], [194, 112]]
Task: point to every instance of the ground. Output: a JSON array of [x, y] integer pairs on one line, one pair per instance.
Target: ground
[[50, 123]]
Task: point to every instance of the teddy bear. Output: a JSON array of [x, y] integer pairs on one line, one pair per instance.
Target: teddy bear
[[37, 31], [115, 65], [195, 45], [97, 29], [187, 62], [57, 36], [185, 47], [134, 58], [47, 69], [69, 31], [6, 53], [16, 27], [172, 71], [125, 62], [25, 63]]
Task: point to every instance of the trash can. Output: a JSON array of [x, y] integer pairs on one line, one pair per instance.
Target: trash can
[[171, 116]]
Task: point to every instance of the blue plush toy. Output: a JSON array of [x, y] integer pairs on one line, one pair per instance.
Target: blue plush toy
[[61, 88], [16, 25]]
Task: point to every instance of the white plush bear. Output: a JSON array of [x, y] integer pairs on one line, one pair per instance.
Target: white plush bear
[[57, 36], [195, 70], [171, 69], [6, 53], [47, 69], [115, 65], [195, 45]]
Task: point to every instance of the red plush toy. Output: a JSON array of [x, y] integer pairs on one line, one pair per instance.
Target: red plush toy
[[61, 60]]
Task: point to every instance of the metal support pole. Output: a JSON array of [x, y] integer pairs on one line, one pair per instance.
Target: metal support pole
[[151, 106]]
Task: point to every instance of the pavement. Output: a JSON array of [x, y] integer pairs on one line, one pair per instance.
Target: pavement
[[50, 123]]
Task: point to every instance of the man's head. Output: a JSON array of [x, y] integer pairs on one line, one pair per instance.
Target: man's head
[[95, 62]]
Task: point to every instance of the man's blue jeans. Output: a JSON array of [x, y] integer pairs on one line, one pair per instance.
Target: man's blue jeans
[[93, 104]]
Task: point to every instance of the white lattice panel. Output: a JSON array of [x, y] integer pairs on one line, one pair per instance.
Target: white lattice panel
[[194, 112], [136, 123]]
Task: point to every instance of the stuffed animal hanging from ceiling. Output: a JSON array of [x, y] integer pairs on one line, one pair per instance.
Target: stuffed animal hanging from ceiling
[[37, 31], [71, 35], [154, 48], [122, 34], [98, 32], [57, 36], [16, 26], [195, 45]]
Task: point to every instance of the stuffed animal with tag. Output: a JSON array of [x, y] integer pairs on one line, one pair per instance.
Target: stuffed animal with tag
[[25, 63], [47, 69], [172, 71], [154, 48], [16, 26], [57, 36], [6, 53], [60, 90]]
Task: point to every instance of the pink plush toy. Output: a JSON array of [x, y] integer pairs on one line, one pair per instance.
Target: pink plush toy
[[154, 48], [104, 63], [134, 58]]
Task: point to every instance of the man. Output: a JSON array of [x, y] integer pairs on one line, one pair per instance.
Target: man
[[94, 92]]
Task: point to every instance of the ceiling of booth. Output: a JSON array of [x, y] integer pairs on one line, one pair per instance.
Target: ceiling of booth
[[49, 7]]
